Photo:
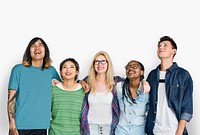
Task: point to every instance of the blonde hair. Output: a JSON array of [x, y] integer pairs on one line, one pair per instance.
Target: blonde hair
[[109, 72]]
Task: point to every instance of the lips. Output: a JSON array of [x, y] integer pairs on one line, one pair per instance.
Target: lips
[[100, 68], [131, 72], [68, 73], [37, 52]]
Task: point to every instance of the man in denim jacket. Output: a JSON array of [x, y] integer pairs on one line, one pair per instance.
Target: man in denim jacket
[[171, 95]]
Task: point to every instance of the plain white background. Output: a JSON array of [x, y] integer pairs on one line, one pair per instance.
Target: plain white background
[[125, 29]]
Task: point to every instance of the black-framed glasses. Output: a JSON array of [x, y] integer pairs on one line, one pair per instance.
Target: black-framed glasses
[[134, 66], [97, 62]]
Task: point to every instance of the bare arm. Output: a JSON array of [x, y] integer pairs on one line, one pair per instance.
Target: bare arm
[[54, 82], [145, 86], [181, 126], [84, 85], [11, 112]]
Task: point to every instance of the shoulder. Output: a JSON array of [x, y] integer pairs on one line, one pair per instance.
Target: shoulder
[[118, 78], [183, 73], [181, 69], [152, 73], [79, 88], [51, 68], [18, 67]]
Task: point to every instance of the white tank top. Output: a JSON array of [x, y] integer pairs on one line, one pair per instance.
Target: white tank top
[[100, 107]]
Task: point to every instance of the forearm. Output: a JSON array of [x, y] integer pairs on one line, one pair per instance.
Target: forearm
[[145, 86], [84, 85], [11, 112], [181, 126]]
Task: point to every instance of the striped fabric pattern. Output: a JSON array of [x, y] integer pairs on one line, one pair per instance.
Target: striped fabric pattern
[[66, 111]]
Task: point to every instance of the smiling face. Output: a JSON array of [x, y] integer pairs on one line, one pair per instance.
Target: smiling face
[[100, 64], [37, 51], [133, 70], [68, 71]]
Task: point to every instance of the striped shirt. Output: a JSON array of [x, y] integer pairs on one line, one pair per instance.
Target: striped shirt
[[66, 111]]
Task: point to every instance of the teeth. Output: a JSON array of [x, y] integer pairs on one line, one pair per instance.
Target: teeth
[[37, 52], [68, 73]]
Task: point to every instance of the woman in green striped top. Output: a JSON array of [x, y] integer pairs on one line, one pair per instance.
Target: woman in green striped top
[[67, 98]]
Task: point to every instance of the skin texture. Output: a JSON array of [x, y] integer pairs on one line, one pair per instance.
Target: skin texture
[[11, 112]]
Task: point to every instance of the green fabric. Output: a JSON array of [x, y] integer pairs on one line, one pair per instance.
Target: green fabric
[[66, 111]]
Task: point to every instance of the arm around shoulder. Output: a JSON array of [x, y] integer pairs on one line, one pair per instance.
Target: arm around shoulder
[[145, 86]]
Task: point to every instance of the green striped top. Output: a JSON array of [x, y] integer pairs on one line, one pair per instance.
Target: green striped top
[[66, 111]]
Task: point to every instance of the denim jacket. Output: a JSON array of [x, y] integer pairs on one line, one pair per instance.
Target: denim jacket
[[179, 93]]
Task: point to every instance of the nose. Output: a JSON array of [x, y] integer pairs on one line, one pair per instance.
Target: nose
[[37, 47]]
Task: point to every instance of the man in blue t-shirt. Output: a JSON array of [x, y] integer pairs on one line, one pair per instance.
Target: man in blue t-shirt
[[30, 89]]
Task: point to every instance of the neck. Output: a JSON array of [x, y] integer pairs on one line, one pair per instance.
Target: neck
[[69, 85], [165, 65], [100, 83], [134, 84], [37, 63], [100, 77]]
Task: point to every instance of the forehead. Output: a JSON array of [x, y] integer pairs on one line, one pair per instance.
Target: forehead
[[38, 41], [68, 63], [165, 42], [100, 57], [133, 63]]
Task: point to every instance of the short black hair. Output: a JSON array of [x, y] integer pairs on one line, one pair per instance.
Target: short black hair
[[168, 38], [73, 61]]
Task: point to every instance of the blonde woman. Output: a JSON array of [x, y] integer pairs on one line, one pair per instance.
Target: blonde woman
[[100, 112]]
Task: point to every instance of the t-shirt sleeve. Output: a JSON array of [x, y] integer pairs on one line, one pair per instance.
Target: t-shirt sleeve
[[14, 79], [55, 74]]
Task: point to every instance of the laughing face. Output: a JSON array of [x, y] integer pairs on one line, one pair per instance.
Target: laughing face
[[133, 70], [69, 71], [37, 51]]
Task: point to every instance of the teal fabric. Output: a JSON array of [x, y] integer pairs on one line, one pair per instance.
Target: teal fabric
[[34, 89]]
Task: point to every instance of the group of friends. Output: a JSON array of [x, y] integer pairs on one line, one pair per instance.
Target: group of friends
[[42, 101]]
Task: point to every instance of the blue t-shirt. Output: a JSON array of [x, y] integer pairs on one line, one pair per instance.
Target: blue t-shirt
[[33, 102]]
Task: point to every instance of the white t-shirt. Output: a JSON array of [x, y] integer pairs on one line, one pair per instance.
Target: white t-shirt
[[166, 122]]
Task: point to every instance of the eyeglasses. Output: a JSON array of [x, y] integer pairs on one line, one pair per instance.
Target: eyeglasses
[[97, 62], [134, 66]]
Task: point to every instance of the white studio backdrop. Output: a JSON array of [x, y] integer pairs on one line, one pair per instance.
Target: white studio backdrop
[[127, 30]]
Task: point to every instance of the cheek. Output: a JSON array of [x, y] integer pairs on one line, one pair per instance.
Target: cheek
[[95, 68], [31, 53], [126, 73]]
